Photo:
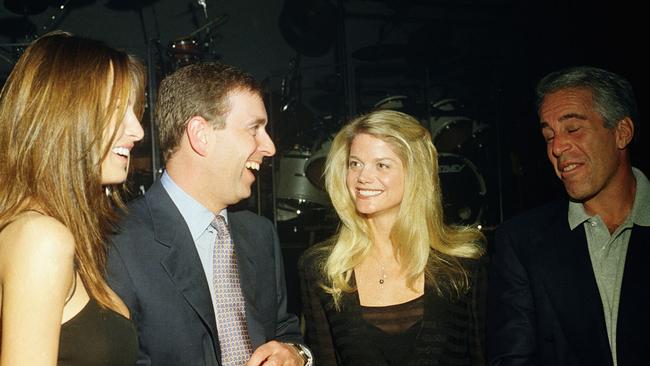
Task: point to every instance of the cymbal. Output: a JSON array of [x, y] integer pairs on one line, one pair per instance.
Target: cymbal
[[26, 7], [124, 5], [380, 52]]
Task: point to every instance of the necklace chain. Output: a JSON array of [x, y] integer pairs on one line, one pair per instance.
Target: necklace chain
[[383, 276]]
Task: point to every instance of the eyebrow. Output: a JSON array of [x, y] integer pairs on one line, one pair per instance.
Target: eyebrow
[[564, 118], [258, 122], [378, 159]]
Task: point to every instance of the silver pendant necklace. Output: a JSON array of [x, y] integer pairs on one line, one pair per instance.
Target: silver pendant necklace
[[383, 276]]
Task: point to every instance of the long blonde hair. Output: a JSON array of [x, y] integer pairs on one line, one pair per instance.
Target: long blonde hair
[[54, 110], [423, 243]]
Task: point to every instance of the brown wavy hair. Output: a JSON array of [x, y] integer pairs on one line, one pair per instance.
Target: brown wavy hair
[[200, 89], [54, 110]]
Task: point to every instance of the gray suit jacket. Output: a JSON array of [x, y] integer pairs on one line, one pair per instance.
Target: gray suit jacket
[[154, 267]]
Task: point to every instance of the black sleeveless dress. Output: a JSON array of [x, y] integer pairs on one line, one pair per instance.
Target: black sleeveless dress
[[98, 337]]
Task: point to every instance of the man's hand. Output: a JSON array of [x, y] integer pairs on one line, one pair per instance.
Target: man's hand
[[275, 353]]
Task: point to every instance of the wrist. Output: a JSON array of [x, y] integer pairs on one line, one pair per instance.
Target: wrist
[[304, 353]]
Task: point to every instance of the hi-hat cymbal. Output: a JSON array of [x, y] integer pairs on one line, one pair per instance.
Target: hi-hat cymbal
[[380, 52], [26, 7]]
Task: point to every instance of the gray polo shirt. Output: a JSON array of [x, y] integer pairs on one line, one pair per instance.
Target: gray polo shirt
[[607, 252]]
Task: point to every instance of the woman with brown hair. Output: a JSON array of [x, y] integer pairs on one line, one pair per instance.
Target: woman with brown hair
[[395, 285], [69, 116]]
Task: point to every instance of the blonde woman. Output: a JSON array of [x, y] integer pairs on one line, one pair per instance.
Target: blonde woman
[[68, 119], [395, 285]]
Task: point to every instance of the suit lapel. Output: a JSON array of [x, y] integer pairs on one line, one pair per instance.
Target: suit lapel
[[182, 264], [571, 286], [633, 315]]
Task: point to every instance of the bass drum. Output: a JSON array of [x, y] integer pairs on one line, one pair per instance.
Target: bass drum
[[294, 191], [449, 128], [476, 148], [463, 190], [450, 133]]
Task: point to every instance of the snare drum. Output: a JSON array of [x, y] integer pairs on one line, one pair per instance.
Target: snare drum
[[463, 189]]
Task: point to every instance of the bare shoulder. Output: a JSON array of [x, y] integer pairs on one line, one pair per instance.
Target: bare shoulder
[[35, 239]]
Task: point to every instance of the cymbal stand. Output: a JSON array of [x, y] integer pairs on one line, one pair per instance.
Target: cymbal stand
[[156, 166]]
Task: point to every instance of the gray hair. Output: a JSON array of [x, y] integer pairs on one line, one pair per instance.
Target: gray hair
[[612, 95]]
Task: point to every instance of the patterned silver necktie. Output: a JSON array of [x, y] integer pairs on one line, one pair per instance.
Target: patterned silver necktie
[[234, 340]]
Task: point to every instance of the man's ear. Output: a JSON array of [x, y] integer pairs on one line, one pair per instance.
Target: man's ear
[[624, 132], [197, 129]]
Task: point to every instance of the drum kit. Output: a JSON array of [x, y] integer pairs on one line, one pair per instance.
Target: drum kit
[[195, 46]]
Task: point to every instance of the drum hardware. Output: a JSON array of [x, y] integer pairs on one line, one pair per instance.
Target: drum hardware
[[208, 26]]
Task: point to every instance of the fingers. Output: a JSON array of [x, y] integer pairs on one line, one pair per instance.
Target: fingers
[[275, 353]]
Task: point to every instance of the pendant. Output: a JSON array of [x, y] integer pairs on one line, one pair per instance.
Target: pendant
[[381, 281]]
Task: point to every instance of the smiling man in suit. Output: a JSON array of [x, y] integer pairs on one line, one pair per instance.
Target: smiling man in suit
[[206, 286], [569, 281]]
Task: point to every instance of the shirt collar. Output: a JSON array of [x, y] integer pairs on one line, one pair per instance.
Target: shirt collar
[[640, 213], [641, 208], [197, 217]]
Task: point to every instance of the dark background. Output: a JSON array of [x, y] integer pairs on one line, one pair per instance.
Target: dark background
[[465, 68]]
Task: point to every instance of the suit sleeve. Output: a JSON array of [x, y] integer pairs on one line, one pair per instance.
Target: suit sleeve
[[119, 280], [317, 330], [287, 325], [511, 325], [477, 310]]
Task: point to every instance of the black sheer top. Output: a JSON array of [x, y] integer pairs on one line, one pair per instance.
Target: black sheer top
[[393, 329], [98, 337], [446, 330]]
